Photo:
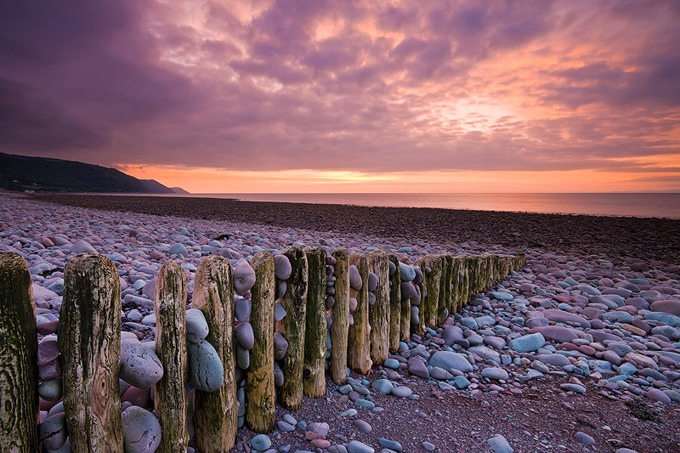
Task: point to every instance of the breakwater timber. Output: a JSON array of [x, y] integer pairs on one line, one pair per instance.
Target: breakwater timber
[[258, 332]]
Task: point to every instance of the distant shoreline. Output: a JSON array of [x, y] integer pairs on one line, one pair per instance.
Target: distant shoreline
[[615, 237]]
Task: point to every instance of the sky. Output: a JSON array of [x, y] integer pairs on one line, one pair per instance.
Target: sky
[[350, 96]]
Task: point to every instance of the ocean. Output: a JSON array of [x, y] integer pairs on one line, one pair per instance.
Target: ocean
[[664, 205]]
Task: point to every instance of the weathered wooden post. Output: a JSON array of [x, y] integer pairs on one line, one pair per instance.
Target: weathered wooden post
[[260, 376], [444, 290], [430, 288], [359, 349], [496, 271], [378, 312], [395, 304], [170, 400], [458, 283], [314, 377], [487, 266], [18, 358], [340, 327], [216, 413], [89, 341], [405, 314], [293, 328], [471, 266]]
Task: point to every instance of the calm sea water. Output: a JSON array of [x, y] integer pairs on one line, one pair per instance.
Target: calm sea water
[[608, 204]]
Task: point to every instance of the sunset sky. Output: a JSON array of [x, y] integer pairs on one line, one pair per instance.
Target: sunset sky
[[350, 96]]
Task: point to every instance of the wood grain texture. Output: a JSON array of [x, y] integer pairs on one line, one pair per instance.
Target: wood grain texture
[[89, 341], [395, 305], [260, 395], [378, 312], [170, 400], [359, 349], [405, 315], [340, 327], [446, 299], [314, 375], [216, 413], [432, 284], [18, 358], [293, 328], [458, 279]]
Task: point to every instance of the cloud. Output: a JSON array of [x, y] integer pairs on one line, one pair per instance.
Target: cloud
[[370, 87]]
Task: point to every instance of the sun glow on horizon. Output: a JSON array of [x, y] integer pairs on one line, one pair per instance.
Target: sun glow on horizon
[[208, 180]]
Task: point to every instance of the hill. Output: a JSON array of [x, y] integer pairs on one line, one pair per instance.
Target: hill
[[57, 175]]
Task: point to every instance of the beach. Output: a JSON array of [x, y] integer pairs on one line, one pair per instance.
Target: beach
[[600, 295], [618, 238]]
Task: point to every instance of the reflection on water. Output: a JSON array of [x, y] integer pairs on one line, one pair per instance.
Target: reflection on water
[[611, 204]]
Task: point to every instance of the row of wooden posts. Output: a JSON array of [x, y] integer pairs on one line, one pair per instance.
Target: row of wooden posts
[[89, 339]]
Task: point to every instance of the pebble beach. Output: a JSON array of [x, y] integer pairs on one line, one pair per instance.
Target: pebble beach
[[578, 351]]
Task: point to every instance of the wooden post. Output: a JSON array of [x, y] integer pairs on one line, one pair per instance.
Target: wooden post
[[359, 349], [18, 358], [487, 271], [433, 283], [471, 265], [89, 341], [378, 313], [170, 400], [420, 327], [446, 300], [216, 413], [497, 271], [458, 283], [293, 328], [405, 315], [261, 406], [395, 305], [314, 379], [340, 327]]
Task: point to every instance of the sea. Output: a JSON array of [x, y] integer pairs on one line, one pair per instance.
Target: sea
[[661, 205]]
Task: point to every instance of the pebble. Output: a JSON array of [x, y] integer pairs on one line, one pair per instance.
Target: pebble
[[495, 373], [283, 268], [359, 447], [568, 387], [402, 391], [244, 335], [139, 364], [584, 438], [53, 432], [383, 386], [390, 444], [372, 282], [363, 426], [205, 367], [280, 346], [406, 273], [244, 277], [499, 444], [655, 394], [528, 343], [197, 326], [242, 308], [141, 430], [260, 442], [450, 360], [429, 446], [50, 390]]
